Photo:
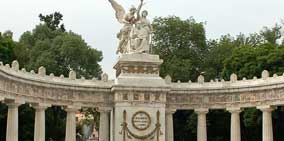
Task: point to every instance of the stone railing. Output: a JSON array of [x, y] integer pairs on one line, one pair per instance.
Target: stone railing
[[41, 88], [42, 91], [234, 93], [264, 93], [17, 86]]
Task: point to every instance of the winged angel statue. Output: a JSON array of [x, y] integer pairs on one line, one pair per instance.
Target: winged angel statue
[[135, 34]]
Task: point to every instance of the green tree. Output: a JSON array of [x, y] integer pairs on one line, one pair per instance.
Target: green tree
[[49, 45], [183, 47], [53, 21], [180, 44], [219, 50], [58, 51], [7, 46], [248, 61], [272, 35]]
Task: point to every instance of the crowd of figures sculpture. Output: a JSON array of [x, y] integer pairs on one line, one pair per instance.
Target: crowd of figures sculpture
[[136, 33]]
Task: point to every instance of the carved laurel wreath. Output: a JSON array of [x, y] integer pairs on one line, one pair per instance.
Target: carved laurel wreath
[[129, 135], [139, 128]]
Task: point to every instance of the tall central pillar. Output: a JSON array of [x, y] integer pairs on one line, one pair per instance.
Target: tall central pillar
[[201, 124], [104, 131], [170, 124], [140, 98], [71, 123], [235, 124], [267, 129]]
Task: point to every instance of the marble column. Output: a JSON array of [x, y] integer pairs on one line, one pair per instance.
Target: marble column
[[12, 122], [235, 124], [201, 124], [70, 134], [104, 131], [169, 124], [267, 129], [39, 128]]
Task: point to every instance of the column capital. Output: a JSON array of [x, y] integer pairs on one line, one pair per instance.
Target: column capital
[[72, 108], [104, 109], [14, 103], [170, 111], [235, 110], [266, 108], [201, 111], [41, 106]]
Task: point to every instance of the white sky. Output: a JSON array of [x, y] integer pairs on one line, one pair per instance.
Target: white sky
[[95, 21]]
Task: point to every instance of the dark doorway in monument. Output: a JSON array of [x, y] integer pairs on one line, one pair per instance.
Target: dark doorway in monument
[[26, 122], [251, 124], [278, 123], [55, 123], [3, 121], [218, 125], [185, 125], [252, 120]]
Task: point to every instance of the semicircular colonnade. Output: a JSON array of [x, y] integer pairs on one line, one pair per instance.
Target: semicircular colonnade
[[17, 86]]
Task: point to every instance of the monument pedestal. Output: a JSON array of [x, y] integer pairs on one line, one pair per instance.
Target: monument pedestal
[[139, 99]]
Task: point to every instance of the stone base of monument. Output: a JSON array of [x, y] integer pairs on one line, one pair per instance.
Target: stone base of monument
[[139, 99], [138, 70]]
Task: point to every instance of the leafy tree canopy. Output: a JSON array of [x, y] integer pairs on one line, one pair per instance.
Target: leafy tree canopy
[[49, 45], [7, 46], [180, 44], [186, 53], [53, 21], [57, 50]]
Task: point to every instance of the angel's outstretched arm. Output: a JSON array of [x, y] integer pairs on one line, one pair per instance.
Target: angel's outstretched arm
[[139, 9]]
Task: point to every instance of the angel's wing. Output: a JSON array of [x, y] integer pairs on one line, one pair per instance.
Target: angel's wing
[[119, 10]]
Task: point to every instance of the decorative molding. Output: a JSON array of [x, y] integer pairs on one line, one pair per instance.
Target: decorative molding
[[52, 90], [127, 134]]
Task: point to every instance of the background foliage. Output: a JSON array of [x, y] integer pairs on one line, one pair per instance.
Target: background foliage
[[51, 46], [186, 52]]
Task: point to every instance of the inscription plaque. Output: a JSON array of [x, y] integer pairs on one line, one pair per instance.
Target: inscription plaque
[[141, 120]]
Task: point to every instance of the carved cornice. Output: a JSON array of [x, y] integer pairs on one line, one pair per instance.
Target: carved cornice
[[40, 88]]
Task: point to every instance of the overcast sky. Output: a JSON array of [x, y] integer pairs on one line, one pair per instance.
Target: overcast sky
[[95, 21]]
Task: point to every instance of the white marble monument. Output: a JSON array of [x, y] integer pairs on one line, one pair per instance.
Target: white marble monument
[[138, 105], [139, 91]]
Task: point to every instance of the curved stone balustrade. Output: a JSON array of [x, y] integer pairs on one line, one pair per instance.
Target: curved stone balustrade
[[221, 95], [39, 88], [139, 86]]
